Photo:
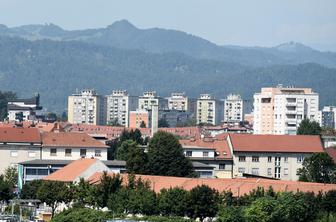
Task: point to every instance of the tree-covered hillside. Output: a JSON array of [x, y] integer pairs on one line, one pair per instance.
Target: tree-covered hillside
[[56, 69]]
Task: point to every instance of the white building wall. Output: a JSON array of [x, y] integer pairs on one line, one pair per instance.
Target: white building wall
[[75, 153], [233, 109], [206, 110]]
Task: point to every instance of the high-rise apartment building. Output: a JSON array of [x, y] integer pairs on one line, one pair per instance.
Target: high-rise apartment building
[[280, 110], [208, 110], [118, 106], [233, 109], [150, 98], [178, 101], [86, 107], [328, 117], [140, 118]]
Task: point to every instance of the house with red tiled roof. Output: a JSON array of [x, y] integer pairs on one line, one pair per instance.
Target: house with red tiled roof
[[71, 146], [17, 145], [274, 156], [211, 151]]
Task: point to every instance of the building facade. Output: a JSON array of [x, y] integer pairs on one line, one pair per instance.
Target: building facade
[[328, 117], [233, 109], [118, 106], [178, 101], [208, 110], [150, 98], [24, 109], [86, 107], [280, 110], [140, 118]]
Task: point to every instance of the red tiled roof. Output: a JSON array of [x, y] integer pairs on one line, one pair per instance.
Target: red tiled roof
[[70, 139], [19, 135], [332, 152], [238, 186], [71, 171], [276, 143]]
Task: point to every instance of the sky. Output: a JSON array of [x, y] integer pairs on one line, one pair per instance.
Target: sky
[[237, 22]]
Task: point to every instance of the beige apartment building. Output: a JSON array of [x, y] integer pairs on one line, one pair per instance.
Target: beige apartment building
[[86, 107], [208, 110], [150, 98], [178, 101], [280, 110], [233, 109]]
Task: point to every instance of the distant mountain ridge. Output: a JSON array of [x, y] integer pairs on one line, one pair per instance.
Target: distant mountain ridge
[[122, 34], [57, 68]]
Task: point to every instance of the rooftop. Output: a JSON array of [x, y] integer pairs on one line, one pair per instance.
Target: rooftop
[[19, 135]]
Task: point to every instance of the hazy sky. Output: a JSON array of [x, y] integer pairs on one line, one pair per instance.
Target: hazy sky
[[238, 22]]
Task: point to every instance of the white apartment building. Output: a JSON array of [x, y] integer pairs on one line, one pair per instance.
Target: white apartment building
[[280, 110], [233, 109], [86, 107], [150, 98], [178, 101], [208, 110], [118, 106], [24, 109], [327, 117]]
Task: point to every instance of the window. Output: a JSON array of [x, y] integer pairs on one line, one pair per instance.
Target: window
[[255, 159], [14, 153], [53, 152], [269, 171], [241, 158], [98, 153], [67, 152], [286, 171], [300, 159], [241, 170], [286, 159], [189, 153], [82, 152], [205, 154], [255, 171], [31, 154], [221, 166], [269, 159]]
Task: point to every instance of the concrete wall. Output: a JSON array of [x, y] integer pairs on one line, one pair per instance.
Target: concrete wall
[[75, 153]]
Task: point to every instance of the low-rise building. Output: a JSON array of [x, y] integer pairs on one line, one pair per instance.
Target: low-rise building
[[24, 109], [71, 146], [274, 156]]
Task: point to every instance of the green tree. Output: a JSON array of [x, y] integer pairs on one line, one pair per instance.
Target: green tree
[[4, 98], [114, 122], [319, 167], [173, 202], [308, 127], [230, 214], [29, 190], [136, 162], [163, 123], [108, 185], [85, 194], [11, 176], [6, 192], [202, 202], [53, 193], [262, 210], [80, 215], [166, 158], [124, 149]]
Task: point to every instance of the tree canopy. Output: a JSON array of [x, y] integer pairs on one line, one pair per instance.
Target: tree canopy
[[308, 127]]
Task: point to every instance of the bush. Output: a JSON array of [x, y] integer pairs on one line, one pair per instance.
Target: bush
[[80, 215]]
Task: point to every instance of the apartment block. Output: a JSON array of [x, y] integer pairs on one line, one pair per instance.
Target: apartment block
[[280, 110], [24, 109], [118, 106], [178, 101], [86, 107], [208, 110], [150, 98], [140, 117], [233, 109], [328, 117]]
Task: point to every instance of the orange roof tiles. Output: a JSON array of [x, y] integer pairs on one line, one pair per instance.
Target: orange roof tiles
[[70, 139], [19, 135], [71, 171], [332, 152], [276, 143], [238, 186]]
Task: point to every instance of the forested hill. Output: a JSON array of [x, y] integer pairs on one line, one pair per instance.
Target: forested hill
[[57, 68], [122, 34]]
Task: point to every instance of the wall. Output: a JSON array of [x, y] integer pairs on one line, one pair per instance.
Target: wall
[[75, 153]]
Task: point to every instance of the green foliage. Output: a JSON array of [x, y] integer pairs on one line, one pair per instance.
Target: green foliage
[[202, 202], [143, 124], [108, 185], [4, 98], [29, 189], [319, 167], [80, 215], [166, 158], [308, 127], [262, 210], [230, 214], [173, 202], [124, 149], [11, 176], [163, 123], [136, 162], [53, 193], [85, 194], [6, 192]]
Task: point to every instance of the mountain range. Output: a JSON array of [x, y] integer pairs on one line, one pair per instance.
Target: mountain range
[[56, 62]]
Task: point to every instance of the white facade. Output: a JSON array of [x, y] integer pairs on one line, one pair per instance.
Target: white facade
[[233, 109], [196, 152], [150, 98], [29, 108], [87, 107], [73, 153], [118, 105], [280, 110], [178, 101], [207, 110]]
